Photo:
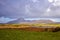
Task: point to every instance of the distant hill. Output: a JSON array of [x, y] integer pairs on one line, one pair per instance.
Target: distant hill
[[57, 23], [39, 21], [44, 21], [19, 20], [22, 20], [16, 21]]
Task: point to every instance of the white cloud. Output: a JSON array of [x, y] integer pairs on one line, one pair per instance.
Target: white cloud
[[55, 20], [48, 10], [5, 20], [55, 2], [50, 0]]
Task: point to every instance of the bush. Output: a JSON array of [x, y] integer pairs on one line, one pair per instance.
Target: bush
[[56, 29]]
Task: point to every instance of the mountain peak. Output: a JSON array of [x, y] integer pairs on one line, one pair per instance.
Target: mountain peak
[[16, 21]]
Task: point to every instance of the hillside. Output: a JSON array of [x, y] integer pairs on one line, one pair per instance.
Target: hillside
[[21, 20], [16, 21]]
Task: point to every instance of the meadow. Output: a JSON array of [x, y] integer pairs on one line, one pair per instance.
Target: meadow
[[13, 34], [27, 25], [8, 32]]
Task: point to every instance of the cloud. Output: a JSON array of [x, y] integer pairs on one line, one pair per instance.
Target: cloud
[[12, 8], [34, 1], [29, 8], [48, 10], [36, 9], [5, 20], [55, 2], [56, 19], [51, 1]]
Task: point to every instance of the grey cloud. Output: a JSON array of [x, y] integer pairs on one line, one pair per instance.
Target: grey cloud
[[12, 8], [55, 12], [38, 8], [16, 9]]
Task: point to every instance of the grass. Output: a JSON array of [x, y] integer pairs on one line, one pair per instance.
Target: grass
[[54, 25], [27, 25], [13, 34]]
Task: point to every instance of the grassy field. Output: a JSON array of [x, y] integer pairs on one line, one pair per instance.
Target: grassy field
[[13, 34], [27, 25]]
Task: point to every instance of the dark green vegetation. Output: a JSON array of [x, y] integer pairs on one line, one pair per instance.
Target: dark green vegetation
[[14, 34]]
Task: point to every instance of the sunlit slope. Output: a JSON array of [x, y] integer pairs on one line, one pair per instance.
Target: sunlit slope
[[27, 25]]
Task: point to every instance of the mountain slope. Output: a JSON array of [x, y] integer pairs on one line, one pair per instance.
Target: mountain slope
[[16, 21]]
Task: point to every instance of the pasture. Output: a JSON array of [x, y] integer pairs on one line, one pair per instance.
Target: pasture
[[15, 34], [27, 25]]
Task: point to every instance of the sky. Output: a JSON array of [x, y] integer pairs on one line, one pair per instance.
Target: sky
[[13, 9]]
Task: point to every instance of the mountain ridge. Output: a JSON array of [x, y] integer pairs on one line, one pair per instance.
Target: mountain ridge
[[22, 20]]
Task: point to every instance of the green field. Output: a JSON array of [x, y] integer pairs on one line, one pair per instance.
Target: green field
[[13, 34]]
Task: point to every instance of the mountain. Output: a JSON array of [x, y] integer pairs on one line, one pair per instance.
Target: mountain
[[16, 21], [44, 21], [57, 23], [22, 20], [19, 20], [39, 21]]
